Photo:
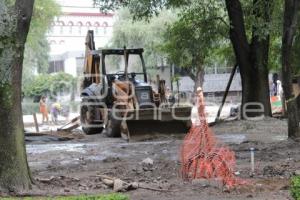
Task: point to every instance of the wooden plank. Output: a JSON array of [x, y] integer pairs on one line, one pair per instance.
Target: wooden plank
[[71, 127], [36, 123], [71, 122]]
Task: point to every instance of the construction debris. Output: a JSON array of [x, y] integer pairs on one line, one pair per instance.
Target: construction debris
[[73, 124], [119, 185], [108, 182], [297, 172], [147, 164]]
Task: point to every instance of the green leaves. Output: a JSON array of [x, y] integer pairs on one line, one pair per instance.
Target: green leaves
[[262, 18], [188, 36], [49, 84], [37, 47], [295, 187], [43, 14], [140, 9], [145, 34], [198, 32], [201, 34]]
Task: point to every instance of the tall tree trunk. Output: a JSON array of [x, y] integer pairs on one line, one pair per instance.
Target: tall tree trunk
[[14, 170], [199, 78], [291, 10], [252, 60]]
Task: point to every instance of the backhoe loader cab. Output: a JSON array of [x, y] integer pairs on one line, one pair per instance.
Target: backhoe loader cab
[[117, 99]]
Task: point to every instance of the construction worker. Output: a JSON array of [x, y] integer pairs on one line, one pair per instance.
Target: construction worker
[[44, 109], [55, 110]]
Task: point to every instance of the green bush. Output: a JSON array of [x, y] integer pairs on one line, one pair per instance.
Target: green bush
[[30, 108], [295, 187], [49, 84]]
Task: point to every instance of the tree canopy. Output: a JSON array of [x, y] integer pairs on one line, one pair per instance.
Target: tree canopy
[[200, 31], [187, 37], [50, 85], [37, 47], [146, 34]]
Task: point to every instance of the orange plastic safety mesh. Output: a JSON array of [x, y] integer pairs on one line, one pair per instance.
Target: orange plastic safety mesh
[[203, 157]]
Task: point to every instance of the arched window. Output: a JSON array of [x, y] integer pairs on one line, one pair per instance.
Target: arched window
[[61, 24], [52, 42], [62, 42], [88, 25], [70, 24], [105, 25], [97, 25], [79, 24]]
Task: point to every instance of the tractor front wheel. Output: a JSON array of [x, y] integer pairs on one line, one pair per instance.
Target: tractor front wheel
[[88, 118], [113, 127]]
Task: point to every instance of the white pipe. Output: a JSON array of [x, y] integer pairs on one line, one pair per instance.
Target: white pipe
[[252, 160]]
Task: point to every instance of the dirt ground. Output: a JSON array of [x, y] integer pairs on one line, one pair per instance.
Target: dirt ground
[[71, 167]]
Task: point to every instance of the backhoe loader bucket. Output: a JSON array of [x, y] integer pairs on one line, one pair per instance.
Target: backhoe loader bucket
[[144, 124]]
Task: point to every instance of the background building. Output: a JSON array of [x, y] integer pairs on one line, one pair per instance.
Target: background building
[[215, 81], [68, 31]]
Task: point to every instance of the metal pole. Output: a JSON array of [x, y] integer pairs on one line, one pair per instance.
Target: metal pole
[[226, 91], [252, 160]]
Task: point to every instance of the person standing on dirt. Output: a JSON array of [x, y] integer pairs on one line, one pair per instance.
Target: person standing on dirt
[[274, 87], [43, 109], [55, 110]]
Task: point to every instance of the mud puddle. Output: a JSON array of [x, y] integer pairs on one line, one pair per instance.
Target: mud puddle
[[66, 147]]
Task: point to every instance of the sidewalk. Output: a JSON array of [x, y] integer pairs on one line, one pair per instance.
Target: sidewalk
[[211, 112], [30, 127]]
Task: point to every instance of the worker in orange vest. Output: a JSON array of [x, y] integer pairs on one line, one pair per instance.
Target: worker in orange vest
[[44, 109]]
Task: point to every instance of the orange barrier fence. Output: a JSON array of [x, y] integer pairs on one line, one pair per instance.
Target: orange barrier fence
[[204, 157]]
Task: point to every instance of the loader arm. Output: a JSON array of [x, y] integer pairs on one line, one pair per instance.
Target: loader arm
[[91, 62]]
